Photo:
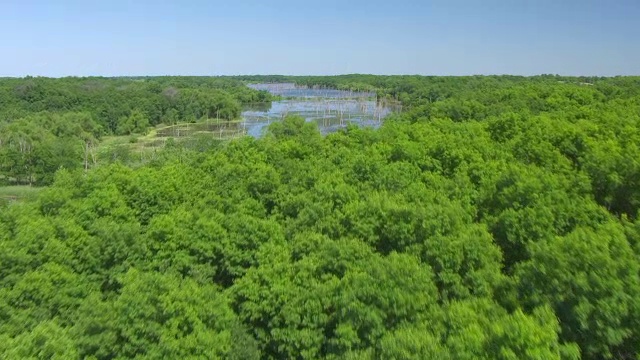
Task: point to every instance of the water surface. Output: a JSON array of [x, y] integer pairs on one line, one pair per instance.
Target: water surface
[[331, 109]]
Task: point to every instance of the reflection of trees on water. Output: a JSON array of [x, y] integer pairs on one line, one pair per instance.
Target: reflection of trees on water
[[303, 91], [258, 107]]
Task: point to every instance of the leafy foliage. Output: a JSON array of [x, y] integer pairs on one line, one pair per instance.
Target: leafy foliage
[[494, 218]]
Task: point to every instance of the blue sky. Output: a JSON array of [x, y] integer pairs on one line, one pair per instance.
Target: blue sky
[[198, 37]]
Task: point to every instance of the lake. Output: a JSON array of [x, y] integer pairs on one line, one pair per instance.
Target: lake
[[331, 109]]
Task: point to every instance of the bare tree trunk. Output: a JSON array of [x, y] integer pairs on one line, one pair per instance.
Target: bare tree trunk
[[86, 156], [93, 155]]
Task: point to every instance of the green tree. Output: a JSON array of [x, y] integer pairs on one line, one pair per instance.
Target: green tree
[[591, 279]]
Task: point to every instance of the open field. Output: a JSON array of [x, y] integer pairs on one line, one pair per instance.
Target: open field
[[141, 146], [18, 192]]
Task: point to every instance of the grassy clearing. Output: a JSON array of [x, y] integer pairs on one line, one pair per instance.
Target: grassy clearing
[[137, 149], [18, 192], [157, 137]]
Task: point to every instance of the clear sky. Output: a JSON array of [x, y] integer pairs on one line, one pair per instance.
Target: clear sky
[[198, 37]]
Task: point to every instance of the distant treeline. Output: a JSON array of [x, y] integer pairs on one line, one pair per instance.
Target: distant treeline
[[414, 90], [46, 124], [111, 100]]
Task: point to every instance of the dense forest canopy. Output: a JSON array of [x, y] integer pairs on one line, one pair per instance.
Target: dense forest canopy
[[493, 218]]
